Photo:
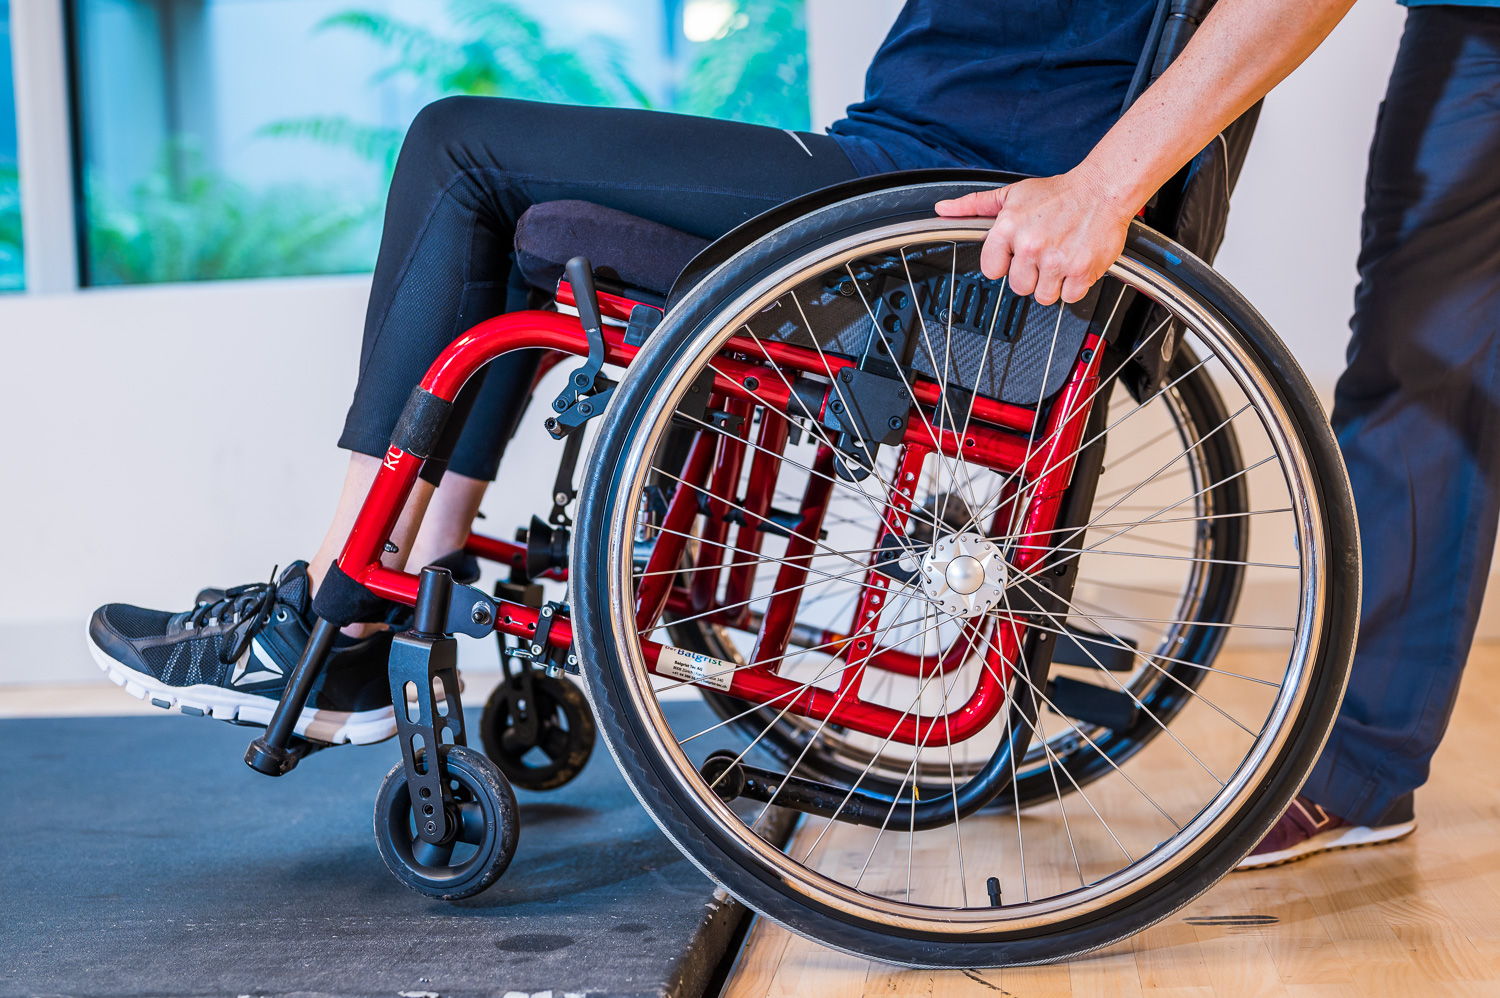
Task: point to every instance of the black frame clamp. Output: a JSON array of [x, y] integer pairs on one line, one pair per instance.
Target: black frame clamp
[[535, 648]]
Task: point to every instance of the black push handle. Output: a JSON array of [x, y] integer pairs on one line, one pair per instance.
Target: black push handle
[[585, 295]]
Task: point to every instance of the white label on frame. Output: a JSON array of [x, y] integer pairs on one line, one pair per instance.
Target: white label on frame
[[679, 663]]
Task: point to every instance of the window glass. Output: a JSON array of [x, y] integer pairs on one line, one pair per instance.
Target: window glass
[[255, 138], [12, 275]]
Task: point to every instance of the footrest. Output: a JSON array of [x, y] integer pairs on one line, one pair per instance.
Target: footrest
[[1107, 708], [1089, 650]]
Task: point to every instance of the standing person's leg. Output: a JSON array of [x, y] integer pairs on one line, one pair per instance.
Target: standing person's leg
[[1417, 413]]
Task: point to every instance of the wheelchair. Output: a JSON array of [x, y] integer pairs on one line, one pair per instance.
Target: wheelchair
[[954, 571]]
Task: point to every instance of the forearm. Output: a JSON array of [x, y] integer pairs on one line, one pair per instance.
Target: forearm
[[1240, 52]]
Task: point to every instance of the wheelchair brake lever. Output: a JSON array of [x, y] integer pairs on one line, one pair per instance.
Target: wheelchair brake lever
[[586, 300], [570, 405]]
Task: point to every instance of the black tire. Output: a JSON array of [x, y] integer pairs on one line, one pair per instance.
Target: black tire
[[564, 738], [480, 790], [730, 858]]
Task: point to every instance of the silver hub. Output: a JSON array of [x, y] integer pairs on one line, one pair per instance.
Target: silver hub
[[964, 574]]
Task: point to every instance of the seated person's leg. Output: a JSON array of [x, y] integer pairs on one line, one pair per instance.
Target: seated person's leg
[[468, 169]]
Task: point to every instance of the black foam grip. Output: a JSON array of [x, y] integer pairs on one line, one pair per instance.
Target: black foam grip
[[342, 601], [421, 424], [585, 297]]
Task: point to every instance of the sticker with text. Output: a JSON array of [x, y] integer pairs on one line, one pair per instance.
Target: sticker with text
[[680, 663]]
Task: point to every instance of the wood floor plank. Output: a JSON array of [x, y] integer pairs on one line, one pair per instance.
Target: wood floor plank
[[1419, 917], [759, 961], [1109, 974]]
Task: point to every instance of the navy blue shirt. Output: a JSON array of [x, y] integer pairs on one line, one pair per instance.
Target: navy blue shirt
[[1021, 85]]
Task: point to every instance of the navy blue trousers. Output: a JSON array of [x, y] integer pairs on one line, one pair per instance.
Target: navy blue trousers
[[1417, 411]]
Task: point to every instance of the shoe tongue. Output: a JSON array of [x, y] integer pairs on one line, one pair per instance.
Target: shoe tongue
[[294, 589]]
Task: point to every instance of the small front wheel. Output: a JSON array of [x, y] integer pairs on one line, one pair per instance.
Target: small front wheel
[[543, 744], [483, 817]]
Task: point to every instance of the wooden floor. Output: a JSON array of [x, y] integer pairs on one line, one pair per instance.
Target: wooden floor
[[1413, 918]]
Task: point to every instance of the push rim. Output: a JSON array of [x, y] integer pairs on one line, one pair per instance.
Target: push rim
[[1238, 363]]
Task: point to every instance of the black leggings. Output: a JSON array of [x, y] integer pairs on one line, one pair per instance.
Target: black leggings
[[468, 169]]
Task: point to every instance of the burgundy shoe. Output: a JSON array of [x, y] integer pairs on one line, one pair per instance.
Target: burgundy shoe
[[1306, 829]]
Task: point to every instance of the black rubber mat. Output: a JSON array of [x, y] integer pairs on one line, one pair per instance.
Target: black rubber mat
[[141, 857]]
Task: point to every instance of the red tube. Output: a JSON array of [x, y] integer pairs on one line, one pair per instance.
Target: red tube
[[666, 556], [759, 492], [781, 610], [507, 553], [873, 597], [704, 584], [515, 331], [759, 685], [360, 557]]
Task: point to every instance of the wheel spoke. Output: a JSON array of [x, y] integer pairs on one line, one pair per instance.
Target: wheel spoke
[[1139, 703], [873, 501], [1149, 659], [1040, 695]]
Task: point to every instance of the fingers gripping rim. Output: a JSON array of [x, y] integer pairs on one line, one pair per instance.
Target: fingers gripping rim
[[649, 769]]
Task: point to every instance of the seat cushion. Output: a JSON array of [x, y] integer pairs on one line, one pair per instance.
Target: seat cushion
[[622, 248]]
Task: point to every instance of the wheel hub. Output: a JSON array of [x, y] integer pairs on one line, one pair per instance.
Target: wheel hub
[[964, 573]]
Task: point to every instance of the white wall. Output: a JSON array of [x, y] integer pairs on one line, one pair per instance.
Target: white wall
[[165, 438], [168, 438], [1294, 232]]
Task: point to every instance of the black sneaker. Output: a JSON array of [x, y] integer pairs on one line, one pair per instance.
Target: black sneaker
[[229, 658]]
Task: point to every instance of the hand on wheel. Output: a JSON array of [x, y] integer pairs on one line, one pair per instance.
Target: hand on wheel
[[1053, 236]]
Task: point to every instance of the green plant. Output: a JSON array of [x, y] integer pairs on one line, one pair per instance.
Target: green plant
[[504, 53], [12, 272], [756, 71], [187, 223]]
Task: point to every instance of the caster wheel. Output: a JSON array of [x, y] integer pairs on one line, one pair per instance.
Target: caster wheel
[[485, 828], [541, 745]]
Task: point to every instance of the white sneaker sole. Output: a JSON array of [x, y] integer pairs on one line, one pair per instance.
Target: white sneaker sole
[[1346, 837], [330, 726]]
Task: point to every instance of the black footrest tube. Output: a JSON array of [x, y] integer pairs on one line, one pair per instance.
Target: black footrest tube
[[274, 753], [731, 779]]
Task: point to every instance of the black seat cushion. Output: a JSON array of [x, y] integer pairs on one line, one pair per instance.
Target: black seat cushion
[[622, 248]]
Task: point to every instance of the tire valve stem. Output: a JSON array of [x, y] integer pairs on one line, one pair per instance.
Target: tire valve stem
[[993, 886]]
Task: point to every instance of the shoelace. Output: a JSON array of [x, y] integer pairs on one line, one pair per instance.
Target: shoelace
[[250, 607]]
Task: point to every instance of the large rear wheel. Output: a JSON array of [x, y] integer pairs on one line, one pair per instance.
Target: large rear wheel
[[1069, 670]]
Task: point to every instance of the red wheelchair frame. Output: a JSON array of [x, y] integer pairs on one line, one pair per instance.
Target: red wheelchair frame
[[1000, 436]]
